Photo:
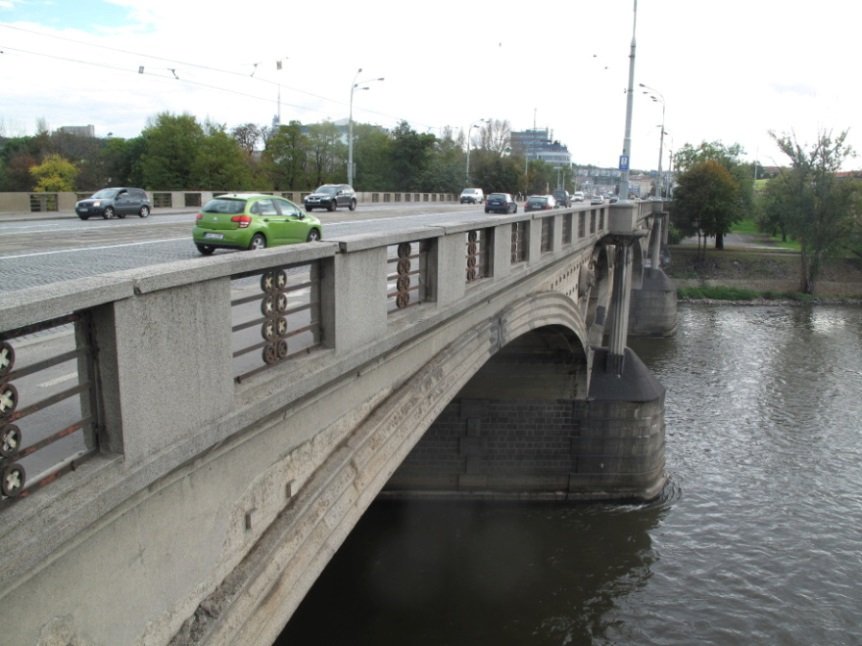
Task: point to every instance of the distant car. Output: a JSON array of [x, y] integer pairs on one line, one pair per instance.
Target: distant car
[[613, 199], [472, 196], [562, 197], [578, 196], [500, 203], [597, 199], [540, 203], [330, 197], [118, 201], [252, 221]]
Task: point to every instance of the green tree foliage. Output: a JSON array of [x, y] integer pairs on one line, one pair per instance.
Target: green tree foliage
[[54, 174], [372, 156], [327, 155], [706, 201], [812, 204], [220, 162], [284, 158], [171, 143], [729, 157], [411, 158]]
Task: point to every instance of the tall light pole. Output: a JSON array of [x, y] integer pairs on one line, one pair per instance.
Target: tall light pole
[[625, 158], [354, 86], [658, 97], [470, 132]]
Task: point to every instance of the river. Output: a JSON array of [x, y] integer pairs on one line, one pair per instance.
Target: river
[[757, 538]]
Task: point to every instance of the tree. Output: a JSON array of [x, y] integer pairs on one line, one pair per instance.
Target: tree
[[819, 210], [411, 158], [220, 162], [372, 155], [326, 155], [728, 157], [54, 174], [706, 201], [284, 157], [170, 147]]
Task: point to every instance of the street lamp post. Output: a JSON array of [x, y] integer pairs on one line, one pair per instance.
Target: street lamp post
[[625, 159], [658, 97], [469, 132], [354, 86]]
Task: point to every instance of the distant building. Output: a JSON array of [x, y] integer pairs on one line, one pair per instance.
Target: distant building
[[538, 144], [78, 131]]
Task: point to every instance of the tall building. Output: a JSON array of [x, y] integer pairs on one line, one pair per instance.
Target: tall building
[[538, 144]]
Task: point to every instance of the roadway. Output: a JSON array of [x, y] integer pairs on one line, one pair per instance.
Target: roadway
[[58, 247]]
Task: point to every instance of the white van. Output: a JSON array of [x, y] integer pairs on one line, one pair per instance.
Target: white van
[[578, 196], [472, 196]]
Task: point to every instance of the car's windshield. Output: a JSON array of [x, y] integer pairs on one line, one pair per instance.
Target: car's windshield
[[106, 193], [327, 190], [230, 206]]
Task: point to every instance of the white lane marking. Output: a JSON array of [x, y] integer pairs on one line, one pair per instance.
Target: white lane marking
[[79, 249], [58, 380]]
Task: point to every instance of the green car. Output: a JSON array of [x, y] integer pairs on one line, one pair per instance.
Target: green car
[[252, 221]]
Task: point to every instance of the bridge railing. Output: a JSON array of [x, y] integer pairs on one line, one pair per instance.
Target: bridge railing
[[175, 359]]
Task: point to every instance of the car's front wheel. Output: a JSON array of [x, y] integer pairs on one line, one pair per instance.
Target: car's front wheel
[[313, 235], [108, 213], [352, 205], [205, 249], [331, 206], [308, 208], [144, 212], [83, 217], [258, 241]]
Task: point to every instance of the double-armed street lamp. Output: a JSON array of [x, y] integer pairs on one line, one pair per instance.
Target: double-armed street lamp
[[657, 97], [470, 132], [356, 85]]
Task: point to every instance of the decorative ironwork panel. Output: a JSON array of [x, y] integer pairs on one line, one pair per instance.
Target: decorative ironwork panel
[[519, 242], [405, 276], [47, 404], [547, 234], [478, 254], [275, 316], [567, 228]]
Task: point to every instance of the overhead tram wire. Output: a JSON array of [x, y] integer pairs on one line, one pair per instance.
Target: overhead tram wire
[[175, 62]]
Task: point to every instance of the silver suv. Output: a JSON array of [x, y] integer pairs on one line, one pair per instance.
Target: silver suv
[[330, 197]]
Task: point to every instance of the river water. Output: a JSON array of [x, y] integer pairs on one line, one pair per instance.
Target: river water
[[757, 538]]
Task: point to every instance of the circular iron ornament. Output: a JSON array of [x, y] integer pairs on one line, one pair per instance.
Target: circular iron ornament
[[471, 262], [8, 399], [270, 354], [472, 236], [12, 480], [281, 326], [10, 441], [267, 305], [281, 303], [404, 250], [472, 248], [273, 281], [471, 274], [267, 330], [281, 348], [7, 358], [402, 284], [402, 300], [403, 266]]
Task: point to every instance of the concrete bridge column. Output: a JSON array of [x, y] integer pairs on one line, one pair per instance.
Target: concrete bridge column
[[619, 315], [655, 242]]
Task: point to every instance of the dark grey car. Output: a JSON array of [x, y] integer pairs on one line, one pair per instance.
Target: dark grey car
[[118, 201], [330, 197]]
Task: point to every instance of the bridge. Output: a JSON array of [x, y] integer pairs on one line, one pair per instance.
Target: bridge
[[210, 431]]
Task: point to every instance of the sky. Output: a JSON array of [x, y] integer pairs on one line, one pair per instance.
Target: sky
[[725, 71]]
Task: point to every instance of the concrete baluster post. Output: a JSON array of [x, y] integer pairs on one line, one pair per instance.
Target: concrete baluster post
[[655, 242], [618, 335]]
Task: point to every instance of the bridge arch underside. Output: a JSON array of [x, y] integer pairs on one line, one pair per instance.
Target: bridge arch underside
[[527, 426]]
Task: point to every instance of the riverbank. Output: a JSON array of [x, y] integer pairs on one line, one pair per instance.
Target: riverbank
[[758, 275]]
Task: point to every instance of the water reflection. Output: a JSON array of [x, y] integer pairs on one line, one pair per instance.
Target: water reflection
[[444, 573]]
